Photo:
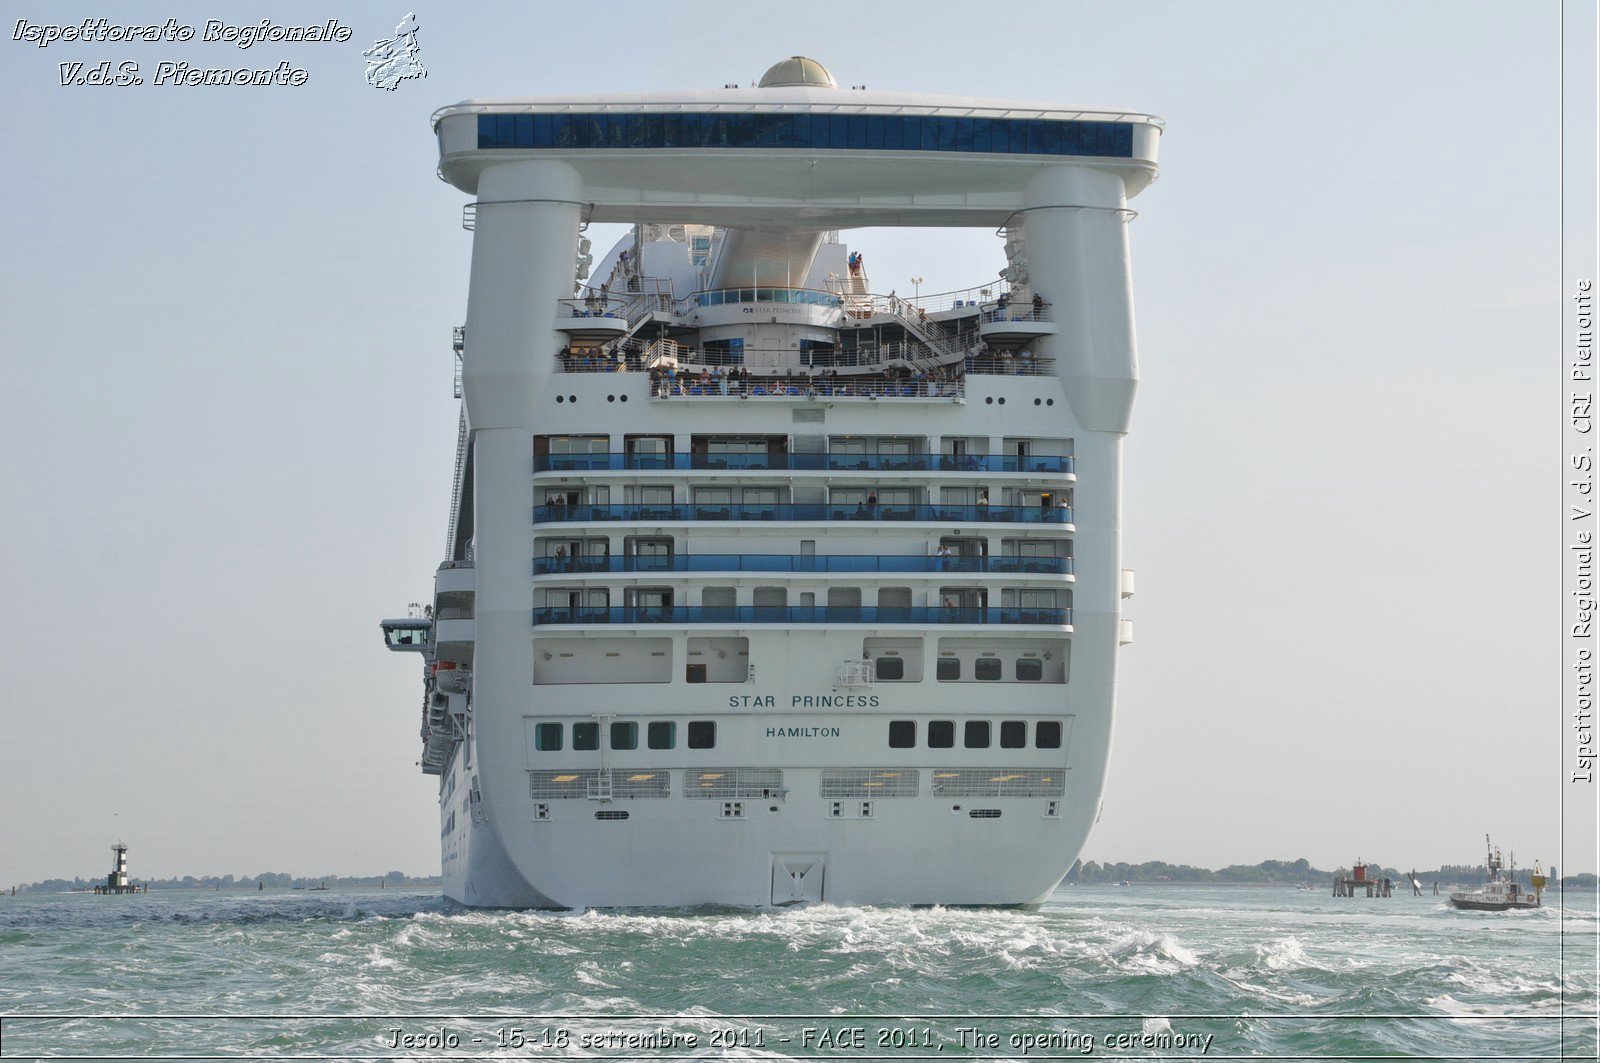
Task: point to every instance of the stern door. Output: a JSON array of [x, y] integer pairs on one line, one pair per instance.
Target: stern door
[[797, 877]]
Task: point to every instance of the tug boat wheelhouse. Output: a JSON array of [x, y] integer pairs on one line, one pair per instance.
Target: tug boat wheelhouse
[[761, 587]]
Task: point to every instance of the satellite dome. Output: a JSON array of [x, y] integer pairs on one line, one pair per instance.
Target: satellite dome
[[798, 70]]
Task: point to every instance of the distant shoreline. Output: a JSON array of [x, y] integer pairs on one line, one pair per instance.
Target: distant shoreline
[[1268, 873]]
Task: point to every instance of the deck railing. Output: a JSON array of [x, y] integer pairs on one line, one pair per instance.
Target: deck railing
[[758, 387], [651, 512], [1033, 566], [799, 614], [1044, 312], [613, 462]]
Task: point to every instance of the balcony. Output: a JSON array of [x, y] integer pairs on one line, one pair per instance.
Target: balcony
[[457, 631], [1032, 566], [1016, 324], [611, 462], [800, 614], [455, 578], [653, 513]]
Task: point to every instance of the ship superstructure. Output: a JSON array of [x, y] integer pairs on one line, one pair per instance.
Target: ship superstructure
[[762, 587]]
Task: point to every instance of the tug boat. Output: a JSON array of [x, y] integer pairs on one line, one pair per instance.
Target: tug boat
[[1501, 892]]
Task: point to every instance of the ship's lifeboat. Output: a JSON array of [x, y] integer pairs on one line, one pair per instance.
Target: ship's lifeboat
[[452, 678]]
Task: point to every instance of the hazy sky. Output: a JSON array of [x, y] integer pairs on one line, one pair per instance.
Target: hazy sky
[[228, 430]]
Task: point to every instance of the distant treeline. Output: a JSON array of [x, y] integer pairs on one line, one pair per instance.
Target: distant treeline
[[270, 880], [1286, 871], [1268, 871]]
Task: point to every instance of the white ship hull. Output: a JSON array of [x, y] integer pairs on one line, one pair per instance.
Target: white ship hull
[[742, 669]]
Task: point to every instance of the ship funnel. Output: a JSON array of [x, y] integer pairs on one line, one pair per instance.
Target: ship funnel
[[780, 259]]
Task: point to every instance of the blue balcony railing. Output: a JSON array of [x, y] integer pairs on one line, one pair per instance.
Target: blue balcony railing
[[798, 614], [804, 511], [803, 462], [1048, 566]]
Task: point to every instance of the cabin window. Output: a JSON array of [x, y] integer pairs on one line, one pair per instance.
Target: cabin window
[[662, 734], [1047, 734], [890, 668], [702, 734], [624, 735], [976, 734], [948, 670], [1029, 669], [941, 734], [986, 669], [586, 735], [1013, 734], [902, 734], [547, 737]]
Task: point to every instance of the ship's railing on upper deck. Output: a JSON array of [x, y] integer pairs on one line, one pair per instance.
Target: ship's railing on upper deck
[[1038, 566], [1024, 363], [995, 314], [613, 462], [799, 614], [758, 387], [636, 354], [802, 511], [596, 306], [685, 382], [935, 302], [769, 294], [987, 301]]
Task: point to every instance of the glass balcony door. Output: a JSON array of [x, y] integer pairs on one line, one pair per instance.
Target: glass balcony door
[[650, 555]]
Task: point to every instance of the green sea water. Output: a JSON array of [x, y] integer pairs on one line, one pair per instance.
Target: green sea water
[[1139, 971]]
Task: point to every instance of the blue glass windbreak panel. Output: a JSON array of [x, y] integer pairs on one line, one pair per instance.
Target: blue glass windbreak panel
[[856, 132]]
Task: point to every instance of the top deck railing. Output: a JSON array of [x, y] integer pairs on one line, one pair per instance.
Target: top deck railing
[[781, 296], [961, 298]]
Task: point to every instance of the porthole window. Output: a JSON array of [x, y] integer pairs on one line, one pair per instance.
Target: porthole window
[[1047, 734], [560, 399], [941, 734], [902, 734], [613, 398], [989, 401], [1036, 402]]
